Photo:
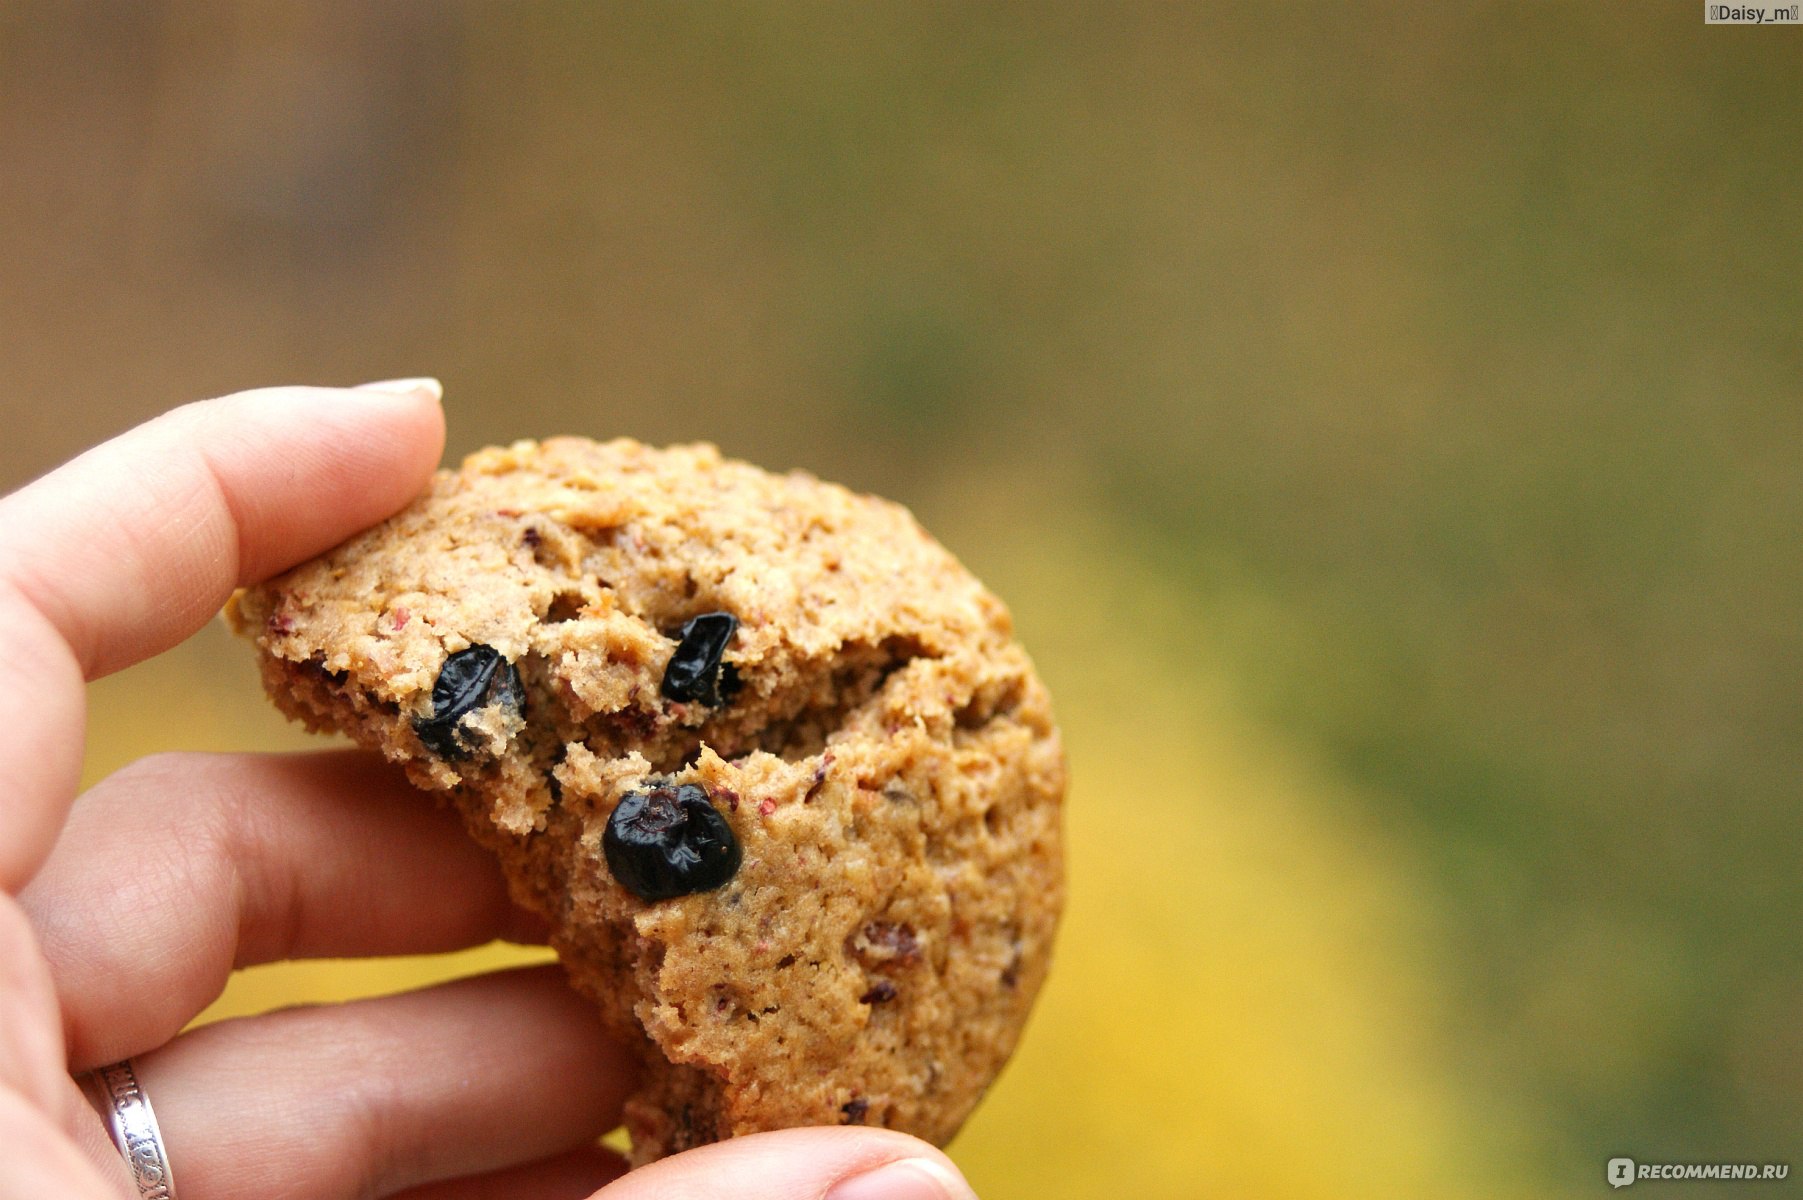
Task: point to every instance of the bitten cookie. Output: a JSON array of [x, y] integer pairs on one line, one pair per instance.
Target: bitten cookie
[[764, 753]]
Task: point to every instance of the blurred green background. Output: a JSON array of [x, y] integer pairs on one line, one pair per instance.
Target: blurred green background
[[1386, 422]]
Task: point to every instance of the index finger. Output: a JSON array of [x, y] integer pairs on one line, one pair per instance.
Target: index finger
[[131, 547]]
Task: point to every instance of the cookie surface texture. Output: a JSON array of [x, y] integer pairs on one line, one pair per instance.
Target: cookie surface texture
[[877, 746]]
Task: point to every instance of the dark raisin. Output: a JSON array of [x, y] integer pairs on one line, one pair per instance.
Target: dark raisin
[[669, 841], [470, 680], [854, 1110], [892, 939], [880, 993], [695, 670]]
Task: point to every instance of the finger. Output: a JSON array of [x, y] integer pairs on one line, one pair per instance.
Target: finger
[[132, 546], [32, 1070], [31, 1045], [42, 711], [182, 867], [800, 1164], [572, 1176], [42, 1160], [376, 1096]]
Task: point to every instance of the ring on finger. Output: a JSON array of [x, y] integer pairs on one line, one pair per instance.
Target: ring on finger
[[133, 1125]]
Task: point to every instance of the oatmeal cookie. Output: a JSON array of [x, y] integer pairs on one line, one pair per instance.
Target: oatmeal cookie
[[765, 755]]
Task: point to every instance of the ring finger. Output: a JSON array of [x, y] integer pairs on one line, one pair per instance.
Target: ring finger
[[368, 1098]]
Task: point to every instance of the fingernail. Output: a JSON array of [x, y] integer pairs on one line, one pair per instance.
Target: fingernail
[[904, 1179], [402, 387]]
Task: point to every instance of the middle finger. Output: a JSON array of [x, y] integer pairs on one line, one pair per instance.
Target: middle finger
[[183, 866]]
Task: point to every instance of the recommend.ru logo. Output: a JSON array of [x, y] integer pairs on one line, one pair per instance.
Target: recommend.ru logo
[[1620, 1172]]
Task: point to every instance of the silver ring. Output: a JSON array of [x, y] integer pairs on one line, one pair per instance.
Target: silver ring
[[133, 1125]]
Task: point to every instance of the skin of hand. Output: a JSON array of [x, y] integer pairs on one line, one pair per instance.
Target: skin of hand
[[123, 912]]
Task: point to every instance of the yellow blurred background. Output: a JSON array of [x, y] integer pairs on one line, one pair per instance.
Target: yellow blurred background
[[1386, 422]]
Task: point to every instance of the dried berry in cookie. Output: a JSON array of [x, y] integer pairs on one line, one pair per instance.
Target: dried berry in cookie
[[469, 681], [669, 841], [695, 671]]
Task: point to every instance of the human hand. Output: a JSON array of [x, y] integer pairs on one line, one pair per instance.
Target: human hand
[[123, 912]]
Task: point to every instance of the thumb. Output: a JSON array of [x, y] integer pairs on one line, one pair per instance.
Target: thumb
[[800, 1164]]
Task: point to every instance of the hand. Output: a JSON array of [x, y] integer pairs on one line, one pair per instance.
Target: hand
[[123, 913]]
